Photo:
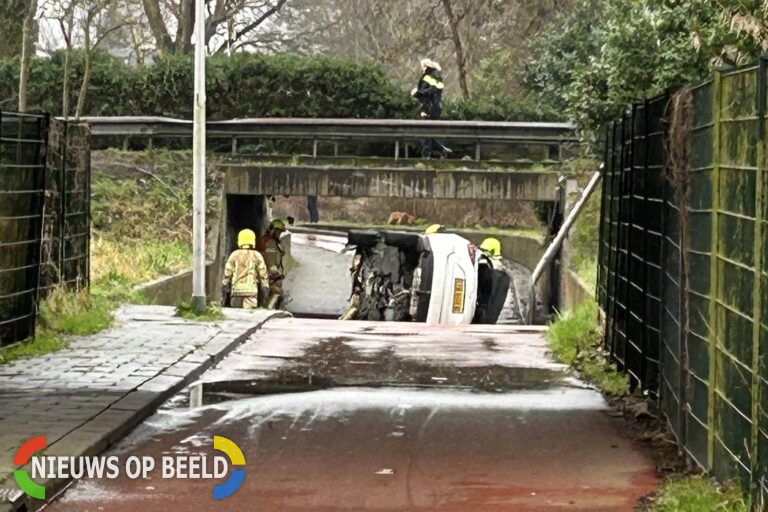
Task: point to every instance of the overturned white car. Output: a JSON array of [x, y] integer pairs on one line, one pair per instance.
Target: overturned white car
[[439, 278]]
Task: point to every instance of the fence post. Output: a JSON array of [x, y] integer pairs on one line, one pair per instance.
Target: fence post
[[614, 241], [682, 307], [758, 259], [636, 367], [714, 284], [601, 254]]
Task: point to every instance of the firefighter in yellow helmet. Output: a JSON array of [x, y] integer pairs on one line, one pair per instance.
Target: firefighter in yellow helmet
[[434, 228], [246, 281], [492, 248], [270, 248]]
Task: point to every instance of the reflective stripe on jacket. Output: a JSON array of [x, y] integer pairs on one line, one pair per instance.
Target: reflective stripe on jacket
[[430, 93]]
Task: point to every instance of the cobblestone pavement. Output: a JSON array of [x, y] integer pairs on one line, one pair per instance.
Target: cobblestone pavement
[[89, 395]]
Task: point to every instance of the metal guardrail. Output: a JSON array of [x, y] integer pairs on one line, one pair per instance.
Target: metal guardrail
[[336, 130]]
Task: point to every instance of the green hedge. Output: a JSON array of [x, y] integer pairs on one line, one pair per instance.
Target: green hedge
[[244, 85]]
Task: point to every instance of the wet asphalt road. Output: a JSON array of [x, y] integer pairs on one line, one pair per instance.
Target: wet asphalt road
[[382, 449], [533, 440]]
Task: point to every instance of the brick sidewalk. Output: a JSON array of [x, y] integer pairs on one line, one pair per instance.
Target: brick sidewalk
[[89, 395]]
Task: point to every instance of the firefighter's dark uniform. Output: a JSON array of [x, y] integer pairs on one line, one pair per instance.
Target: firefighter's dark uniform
[[429, 92]]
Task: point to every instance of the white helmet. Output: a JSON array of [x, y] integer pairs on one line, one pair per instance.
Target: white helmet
[[429, 63]]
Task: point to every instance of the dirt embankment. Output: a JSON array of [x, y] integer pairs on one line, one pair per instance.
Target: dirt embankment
[[461, 213]]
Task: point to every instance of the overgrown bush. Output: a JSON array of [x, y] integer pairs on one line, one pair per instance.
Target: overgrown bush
[[500, 108], [243, 85]]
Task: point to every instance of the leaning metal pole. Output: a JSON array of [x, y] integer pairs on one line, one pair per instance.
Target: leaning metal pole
[[198, 164], [554, 246]]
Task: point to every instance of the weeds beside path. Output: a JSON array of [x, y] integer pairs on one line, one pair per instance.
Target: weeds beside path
[[696, 493], [576, 340], [62, 313]]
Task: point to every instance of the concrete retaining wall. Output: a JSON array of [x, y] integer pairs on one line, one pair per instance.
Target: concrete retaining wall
[[168, 291], [573, 291], [254, 179]]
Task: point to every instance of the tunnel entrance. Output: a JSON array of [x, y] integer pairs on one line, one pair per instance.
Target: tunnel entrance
[[244, 212]]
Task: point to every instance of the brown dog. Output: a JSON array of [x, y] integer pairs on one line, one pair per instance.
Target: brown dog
[[401, 219]]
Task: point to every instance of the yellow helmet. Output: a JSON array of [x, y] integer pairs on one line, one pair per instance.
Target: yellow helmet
[[277, 224], [491, 246], [246, 237], [434, 228]]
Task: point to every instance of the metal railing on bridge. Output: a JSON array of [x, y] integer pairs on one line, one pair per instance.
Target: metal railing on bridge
[[553, 137]]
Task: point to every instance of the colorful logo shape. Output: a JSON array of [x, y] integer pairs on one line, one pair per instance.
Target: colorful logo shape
[[235, 480], [21, 476]]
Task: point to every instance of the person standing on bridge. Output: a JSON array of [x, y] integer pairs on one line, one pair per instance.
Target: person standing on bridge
[[270, 248], [246, 280], [429, 92]]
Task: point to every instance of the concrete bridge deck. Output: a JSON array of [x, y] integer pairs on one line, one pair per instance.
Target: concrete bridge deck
[[263, 179]]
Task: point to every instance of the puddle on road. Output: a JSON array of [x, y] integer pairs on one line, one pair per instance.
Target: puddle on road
[[333, 363]]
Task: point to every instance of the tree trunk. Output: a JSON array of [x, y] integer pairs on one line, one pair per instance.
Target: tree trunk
[[86, 78], [186, 27], [458, 47], [157, 26], [65, 84], [27, 48]]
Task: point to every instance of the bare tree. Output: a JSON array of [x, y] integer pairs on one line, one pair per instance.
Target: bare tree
[[64, 14], [27, 49], [96, 26], [454, 22], [230, 24], [397, 33], [12, 14]]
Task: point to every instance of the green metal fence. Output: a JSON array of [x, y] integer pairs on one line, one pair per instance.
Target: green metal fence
[[683, 274], [44, 215]]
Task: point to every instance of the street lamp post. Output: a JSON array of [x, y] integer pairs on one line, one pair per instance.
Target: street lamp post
[[198, 164]]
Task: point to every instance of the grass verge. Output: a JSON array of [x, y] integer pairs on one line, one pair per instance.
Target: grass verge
[[63, 313], [576, 340], [117, 267], [697, 493], [186, 309]]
